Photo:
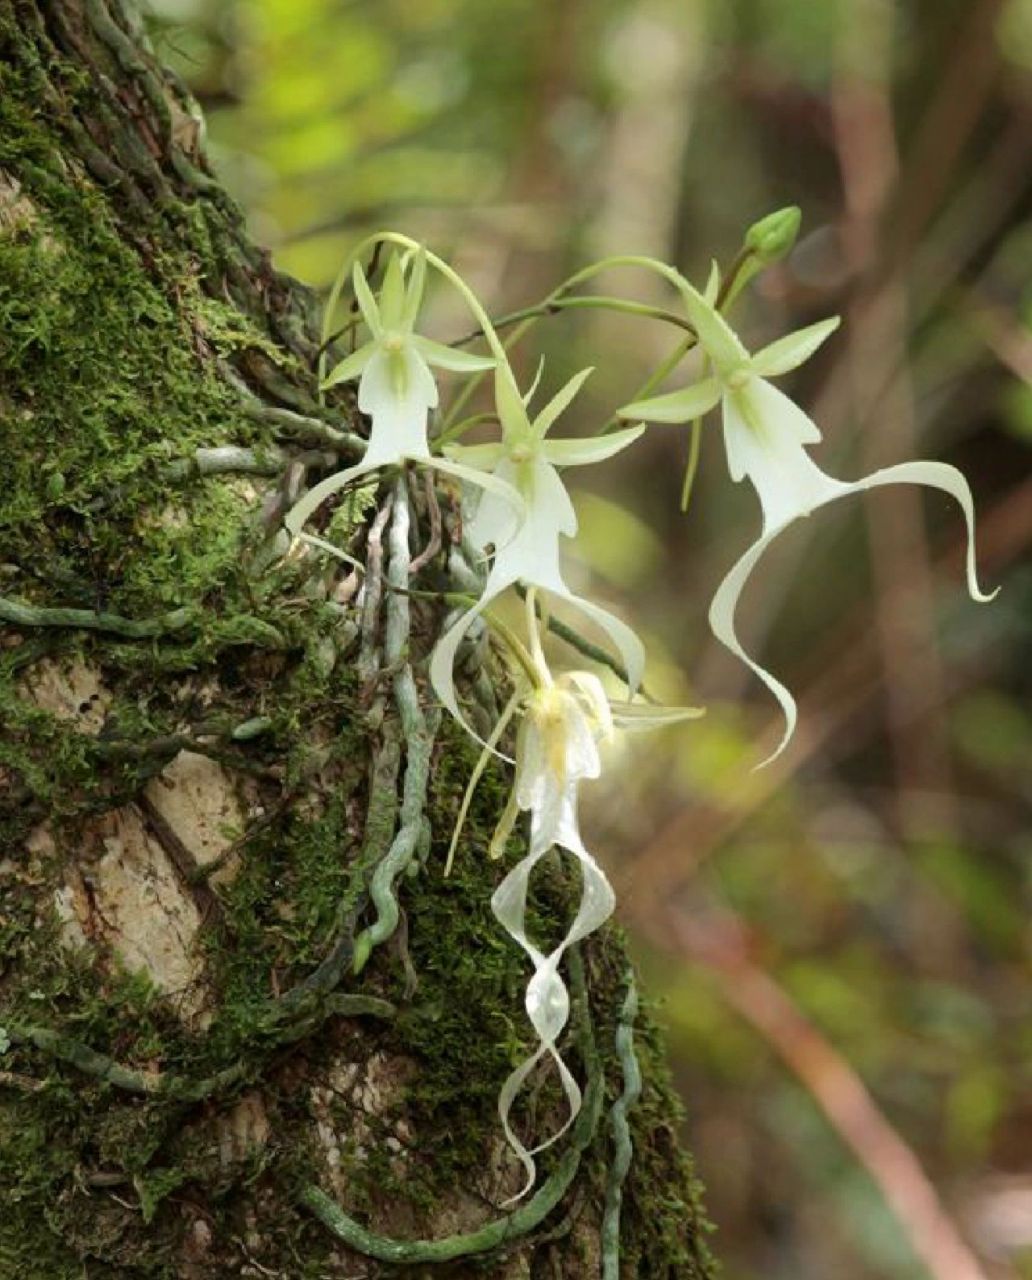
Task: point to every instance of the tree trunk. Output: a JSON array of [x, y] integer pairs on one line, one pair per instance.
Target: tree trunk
[[220, 780]]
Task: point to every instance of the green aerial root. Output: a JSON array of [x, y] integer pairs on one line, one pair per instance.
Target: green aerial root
[[246, 628], [27, 615], [418, 742], [622, 1146], [500, 1231], [179, 1088]]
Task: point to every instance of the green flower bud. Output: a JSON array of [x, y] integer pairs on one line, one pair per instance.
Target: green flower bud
[[772, 238]]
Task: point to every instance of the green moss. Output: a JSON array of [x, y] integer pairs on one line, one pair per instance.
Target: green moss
[[108, 373]]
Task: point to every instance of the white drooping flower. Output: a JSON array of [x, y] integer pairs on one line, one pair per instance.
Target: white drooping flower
[[564, 720], [765, 437], [396, 387], [526, 459]]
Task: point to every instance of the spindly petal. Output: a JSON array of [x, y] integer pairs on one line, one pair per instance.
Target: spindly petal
[[579, 453], [336, 551], [414, 290], [452, 358], [442, 662], [351, 366], [559, 403], [676, 406], [646, 715], [530, 392], [512, 412], [491, 484], [722, 623], [936, 475], [626, 640], [712, 290], [547, 1000], [302, 510], [366, 302], [392, 295], [794, 349], [718, 339]]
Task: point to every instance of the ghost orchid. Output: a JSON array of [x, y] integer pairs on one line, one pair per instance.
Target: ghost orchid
[[565, 718], [765, 437], [525, 459], [396, 388]]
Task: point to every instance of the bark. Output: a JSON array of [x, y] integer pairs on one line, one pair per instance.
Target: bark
[[221, 779]]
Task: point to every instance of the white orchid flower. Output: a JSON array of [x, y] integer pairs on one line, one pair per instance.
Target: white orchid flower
[[564, 720], [765, 434], [525, 459], [396, 388]]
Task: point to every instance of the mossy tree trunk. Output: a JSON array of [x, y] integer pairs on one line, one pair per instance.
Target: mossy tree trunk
[[220, 776]]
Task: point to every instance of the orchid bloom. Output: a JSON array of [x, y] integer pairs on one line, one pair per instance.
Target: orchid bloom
[[396, 388], [765, 434], [564, 720], [525, 459]]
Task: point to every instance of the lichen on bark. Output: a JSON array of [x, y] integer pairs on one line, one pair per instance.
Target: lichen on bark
[[161, 1114]]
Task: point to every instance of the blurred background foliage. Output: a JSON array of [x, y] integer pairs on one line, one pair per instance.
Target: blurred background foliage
[[860, 911]]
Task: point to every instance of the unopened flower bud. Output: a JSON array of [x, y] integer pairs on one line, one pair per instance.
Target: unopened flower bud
[[772, 238]]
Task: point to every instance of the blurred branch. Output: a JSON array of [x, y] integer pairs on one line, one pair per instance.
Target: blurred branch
[[720, 945], [865, 143]]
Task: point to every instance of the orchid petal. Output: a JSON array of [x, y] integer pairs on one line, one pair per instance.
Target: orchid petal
[[485, 456], [350, 367], [302, 510], [676, 406], [550, 499], [482, 480], [492, 523], [512, 412], [547, 1000], [712, 290], [366, 302], [764, 434], [392, 295], [418, 378], [323, 545], [628, 645], [558, 403], [936, 475], [775, 416], [579, 453], [530, 392], [719, 340], [722, 623], [794, 349], [452, 358], [645, 715], [414, 291], [398, 395], [442, 663]]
